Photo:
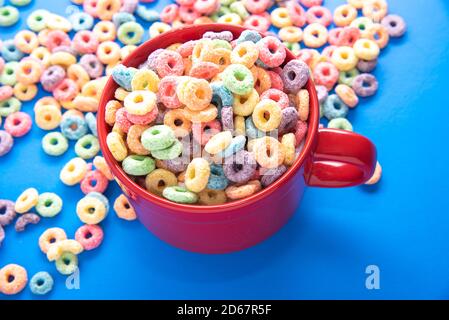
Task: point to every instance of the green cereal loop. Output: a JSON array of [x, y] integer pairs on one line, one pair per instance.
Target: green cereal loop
[[292, 46], [10, 106], [158, 138], [347, 77], [37, 20], [362, 23], [20, 3], [179, 194], [8, 16], [54, 143], [87, 146], [238, 79], [227, 2], [340, 123], [218, 43], [239, 8], [137, 165], [130, 33], [49, 204], [67, 263], [8, 76], [170, 153]]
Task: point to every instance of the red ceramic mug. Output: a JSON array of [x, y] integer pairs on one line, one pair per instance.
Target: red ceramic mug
[[330, 158]]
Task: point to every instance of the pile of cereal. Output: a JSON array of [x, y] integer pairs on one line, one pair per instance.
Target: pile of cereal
[[70, 58], [229, 122]]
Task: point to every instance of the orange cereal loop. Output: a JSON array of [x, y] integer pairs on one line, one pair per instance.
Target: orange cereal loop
[[123, 208], [105, 31], [303, 101], [105, 9], [262, 80], [376, 175], [85, 104], [51, 236], [203, 20], [13, 279], [111, 109], [219, 56], [78, 74], [182, 177], [133, 139], [210, 197], [243, 191], [176, 120], [159, 179], [102, 166]]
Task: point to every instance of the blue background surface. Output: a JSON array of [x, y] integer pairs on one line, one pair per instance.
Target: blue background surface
[[400, 225]]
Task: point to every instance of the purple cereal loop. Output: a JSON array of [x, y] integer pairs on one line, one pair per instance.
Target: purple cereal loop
[[322, 93], [227, 119], [176, 165], [224, 35], [25, 220], [92, 65], [395, 25], [365, 85], [2, 235], [271, 175], [288, 120], [295, 75], [6, 142], [240, 167], [366, 66], [7, 212], [67, 49], [129, 6], [52, 77]]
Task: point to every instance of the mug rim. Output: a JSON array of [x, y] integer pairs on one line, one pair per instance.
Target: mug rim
[[132, 187]]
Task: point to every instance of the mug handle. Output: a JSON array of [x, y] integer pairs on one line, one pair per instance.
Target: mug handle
[[341, 159]]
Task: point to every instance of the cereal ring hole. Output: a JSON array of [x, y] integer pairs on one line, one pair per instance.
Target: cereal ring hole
[[11, 278], [2, 210], [291, 75], [93, 182], [5, 13], [9, 72], [88, 235], [178, 122], [40, 282], [48, 203], [52, 240], [16, 122]]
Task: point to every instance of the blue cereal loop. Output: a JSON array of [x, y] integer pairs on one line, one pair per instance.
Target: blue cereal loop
[[120, 18], [217, 178], [91, 121], [334, 108], [81, 21], [10, 52], [123, 76], [146, 14], [73, 127], [249, 35], [237, 144], [221, 96]]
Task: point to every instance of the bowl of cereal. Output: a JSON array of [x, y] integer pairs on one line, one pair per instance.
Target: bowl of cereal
[[212, 132]]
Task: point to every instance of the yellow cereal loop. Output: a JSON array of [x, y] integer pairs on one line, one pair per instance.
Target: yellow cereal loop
[[244, 105], [140, 102], [290, 34], [57, 249], [280, 17], [56, 22], [245, 53], [366, 49], [197, 174], [47, 117], [73, 172], [145, 80], [288, 145], [159, 179], [27, 200], [344, 15], [267, 115], [78, 74], [91, 210], [117, 146], [218, 142], [239, 125], [344, 58], [63, 59], [315, 35], [158, 28], [42, 54]]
